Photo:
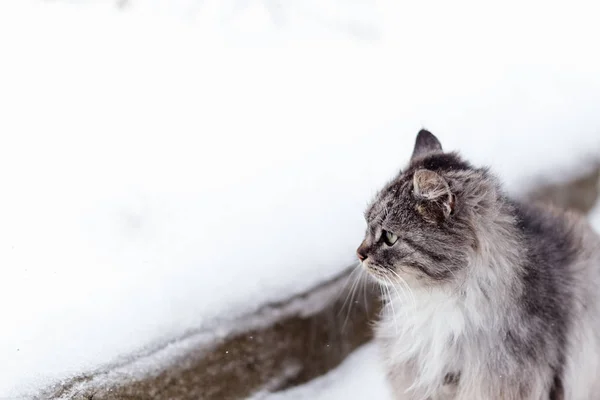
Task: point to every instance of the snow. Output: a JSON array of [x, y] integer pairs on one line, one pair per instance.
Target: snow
[[166, 174], [360, 376], [153, 361]]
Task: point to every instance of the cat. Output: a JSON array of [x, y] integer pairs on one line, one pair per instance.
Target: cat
[[488, 297]]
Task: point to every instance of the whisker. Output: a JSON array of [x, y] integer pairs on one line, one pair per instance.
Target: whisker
[[404, 283], [400, 296], [351, 294], [345, 285], [391, 301], [345, 290], [381, 291], [365, 278]]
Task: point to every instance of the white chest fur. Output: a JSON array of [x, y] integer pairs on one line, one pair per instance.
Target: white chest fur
[[423, 333]]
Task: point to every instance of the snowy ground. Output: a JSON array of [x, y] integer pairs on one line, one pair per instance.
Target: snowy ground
[[359, 377], [156, 181]]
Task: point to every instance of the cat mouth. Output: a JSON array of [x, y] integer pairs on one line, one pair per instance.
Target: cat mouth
[[384, 275], [376, 271]]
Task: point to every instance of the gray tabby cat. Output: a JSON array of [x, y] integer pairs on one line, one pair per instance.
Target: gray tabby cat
[[490, 298]]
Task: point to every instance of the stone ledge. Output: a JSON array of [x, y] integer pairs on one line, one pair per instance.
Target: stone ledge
[[580, 193], [288, 347]]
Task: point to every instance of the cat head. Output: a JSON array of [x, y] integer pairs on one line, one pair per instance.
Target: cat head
[[425, 223]]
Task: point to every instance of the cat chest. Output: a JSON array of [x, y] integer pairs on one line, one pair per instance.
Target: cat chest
[[429, 341]]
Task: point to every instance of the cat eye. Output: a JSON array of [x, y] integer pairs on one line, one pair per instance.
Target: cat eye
[[389, 238]]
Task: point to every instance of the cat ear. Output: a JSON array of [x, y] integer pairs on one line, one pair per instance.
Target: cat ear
[[426, 143], [435, 201]]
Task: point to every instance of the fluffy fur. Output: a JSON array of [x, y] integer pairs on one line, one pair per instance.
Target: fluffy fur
[[487, 298]]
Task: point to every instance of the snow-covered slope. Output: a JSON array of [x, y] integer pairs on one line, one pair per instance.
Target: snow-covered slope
[[155, 181]]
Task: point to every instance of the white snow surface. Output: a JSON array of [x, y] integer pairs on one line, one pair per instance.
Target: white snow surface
[[361, 376], [164, 172]]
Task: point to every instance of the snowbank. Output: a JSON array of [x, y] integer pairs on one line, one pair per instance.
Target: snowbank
[[155, 181]]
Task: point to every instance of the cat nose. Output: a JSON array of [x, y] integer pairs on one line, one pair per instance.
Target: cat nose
[[361, 252], [361, 256]]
